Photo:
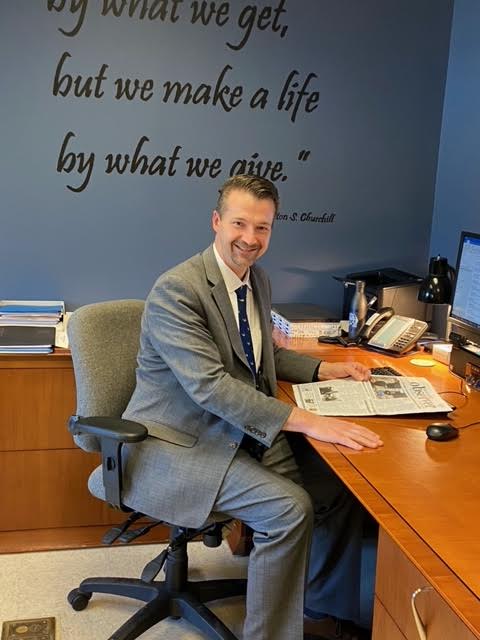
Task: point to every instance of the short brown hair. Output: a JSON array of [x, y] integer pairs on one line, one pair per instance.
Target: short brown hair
[[261, 188]]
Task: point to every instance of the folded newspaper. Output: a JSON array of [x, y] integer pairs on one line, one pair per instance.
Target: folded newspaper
[[381, 395]]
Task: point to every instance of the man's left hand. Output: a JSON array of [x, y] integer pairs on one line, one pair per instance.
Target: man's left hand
[[332, 370]]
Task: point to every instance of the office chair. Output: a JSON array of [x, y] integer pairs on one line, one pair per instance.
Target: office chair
[[104, 340]]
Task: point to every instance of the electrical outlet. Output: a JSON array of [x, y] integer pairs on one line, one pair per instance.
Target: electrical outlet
[[33, 629]]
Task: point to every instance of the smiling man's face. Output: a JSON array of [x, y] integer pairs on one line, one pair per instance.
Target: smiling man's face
[[243, 229]]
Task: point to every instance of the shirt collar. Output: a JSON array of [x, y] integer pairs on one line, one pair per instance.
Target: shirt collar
[[232, 281]]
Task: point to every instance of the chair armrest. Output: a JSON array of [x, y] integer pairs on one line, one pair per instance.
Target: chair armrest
[[113, 433], [117, 429]]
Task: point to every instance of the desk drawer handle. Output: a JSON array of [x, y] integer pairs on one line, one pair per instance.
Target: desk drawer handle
[[422, 631]]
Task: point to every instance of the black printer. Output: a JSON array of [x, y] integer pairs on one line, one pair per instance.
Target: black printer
[[391, 288]]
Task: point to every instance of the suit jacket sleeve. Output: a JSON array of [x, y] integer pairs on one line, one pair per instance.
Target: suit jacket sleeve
[[294, 367]]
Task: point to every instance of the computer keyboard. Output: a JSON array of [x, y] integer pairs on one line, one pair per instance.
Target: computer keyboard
[[385, 371]]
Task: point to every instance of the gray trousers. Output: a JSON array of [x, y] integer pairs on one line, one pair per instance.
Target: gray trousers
[[270, 499]]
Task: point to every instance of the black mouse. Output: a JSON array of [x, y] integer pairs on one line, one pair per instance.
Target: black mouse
[[441, 431]]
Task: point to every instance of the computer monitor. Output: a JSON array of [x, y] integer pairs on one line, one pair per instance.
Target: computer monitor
[[465, 313]]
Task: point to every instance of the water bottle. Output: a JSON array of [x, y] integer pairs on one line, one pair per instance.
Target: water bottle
[[358, 311]]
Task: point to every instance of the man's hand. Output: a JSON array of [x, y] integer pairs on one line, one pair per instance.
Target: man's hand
[[328, 429], [332, 370]]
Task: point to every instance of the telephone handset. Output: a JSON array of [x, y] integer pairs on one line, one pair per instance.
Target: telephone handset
[[378, 318], [398, 333]]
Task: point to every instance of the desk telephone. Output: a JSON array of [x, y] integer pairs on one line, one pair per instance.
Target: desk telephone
[[385, 330]]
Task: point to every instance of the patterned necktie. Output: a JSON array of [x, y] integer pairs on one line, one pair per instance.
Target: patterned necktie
[[244, 327], [255, 448]]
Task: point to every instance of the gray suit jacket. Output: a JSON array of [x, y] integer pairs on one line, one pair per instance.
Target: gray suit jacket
[[195, 391]]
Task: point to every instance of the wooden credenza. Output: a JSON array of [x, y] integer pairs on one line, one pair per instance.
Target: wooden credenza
[[44, 501]]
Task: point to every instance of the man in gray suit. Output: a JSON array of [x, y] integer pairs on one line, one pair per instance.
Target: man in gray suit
[[206, 385]]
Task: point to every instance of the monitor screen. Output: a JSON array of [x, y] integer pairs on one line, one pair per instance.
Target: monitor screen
[[466, 298]]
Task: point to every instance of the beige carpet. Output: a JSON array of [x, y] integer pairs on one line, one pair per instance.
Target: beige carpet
[[36, 584]]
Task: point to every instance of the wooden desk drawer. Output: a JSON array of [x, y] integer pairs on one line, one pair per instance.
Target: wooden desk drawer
[[384, 628], [397, 578]]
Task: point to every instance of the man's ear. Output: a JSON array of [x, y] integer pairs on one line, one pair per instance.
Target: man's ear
[[215, 220]]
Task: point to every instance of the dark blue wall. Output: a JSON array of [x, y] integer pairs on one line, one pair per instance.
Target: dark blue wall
[[457, 196], [366, 152]]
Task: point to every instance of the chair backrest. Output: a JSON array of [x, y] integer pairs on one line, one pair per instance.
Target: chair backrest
[[104, 340]]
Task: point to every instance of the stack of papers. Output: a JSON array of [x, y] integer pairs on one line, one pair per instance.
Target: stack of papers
[[31, 312], [300, 320], [29, 326]]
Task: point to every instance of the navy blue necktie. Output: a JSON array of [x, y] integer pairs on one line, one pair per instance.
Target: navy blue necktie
[[253, 447], [244, 327]]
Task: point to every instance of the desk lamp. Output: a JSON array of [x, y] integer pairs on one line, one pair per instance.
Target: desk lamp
[[436, 290]]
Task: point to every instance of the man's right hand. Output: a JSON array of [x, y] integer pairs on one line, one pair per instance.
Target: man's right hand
[[335, 430]]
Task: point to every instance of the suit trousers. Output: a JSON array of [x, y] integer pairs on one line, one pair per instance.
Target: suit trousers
[[267, 496], [286, 499]]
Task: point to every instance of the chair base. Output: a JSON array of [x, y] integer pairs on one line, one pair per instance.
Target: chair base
[[163, 602]]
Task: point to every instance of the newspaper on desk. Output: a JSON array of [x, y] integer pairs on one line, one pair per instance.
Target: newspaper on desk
[[381, 395]]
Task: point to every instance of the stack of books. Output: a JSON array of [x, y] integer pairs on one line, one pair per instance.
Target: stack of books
[[29, 326], [300, 320]]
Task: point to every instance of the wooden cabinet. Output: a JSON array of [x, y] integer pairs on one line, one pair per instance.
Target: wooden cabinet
[[397, 579], [44, 501]]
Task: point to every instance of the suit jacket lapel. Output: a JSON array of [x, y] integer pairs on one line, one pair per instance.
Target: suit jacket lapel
[[222, 299]]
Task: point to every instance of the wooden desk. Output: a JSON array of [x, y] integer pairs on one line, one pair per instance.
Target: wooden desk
[[426, 498], [44, 501], [424, 495]]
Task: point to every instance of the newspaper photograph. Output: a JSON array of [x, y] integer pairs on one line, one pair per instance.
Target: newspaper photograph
[[381, 395]]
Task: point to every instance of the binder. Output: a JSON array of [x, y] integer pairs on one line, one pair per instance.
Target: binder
[[25, 339]]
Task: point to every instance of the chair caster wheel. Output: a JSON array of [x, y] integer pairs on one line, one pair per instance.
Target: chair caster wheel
[[78, 599]]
